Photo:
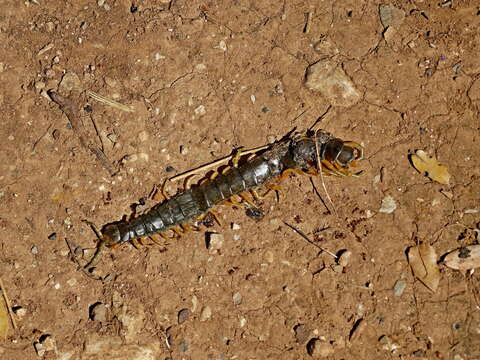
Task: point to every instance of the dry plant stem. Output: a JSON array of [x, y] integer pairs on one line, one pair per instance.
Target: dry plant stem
[[71, 111], [109, 102], [7, 303], [215, 164], [319, 165], [299, 232]]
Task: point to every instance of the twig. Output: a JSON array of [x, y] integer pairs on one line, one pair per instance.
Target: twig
[[299, 232], [215, 164], [70, 110], [319, 165], [7, 303], [109, 102]]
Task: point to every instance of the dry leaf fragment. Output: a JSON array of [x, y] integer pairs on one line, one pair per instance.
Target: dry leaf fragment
[[423, 261], [464, 258], [4, 320], [430, 167]]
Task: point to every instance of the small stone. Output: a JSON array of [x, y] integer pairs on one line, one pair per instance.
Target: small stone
[[34, 250], [194, 303], [70, 81], [215, 241], [399, 287], [98, 312], [301, 333], [183, 150], [337, 268], [183, 315], [100, 2], [39, 85], [222, 45], [269, 257], [253, 98], [143, 136], [49, 342], [329, 79], [391, 16], [318, 348], [52, 236], [206, 313], [39, 349], [237, 298], [200, 67], [236, 237], [344, 258], [243, 322], [388, 205], [19, 311], [235, 226], [200, 110], [183, 346]]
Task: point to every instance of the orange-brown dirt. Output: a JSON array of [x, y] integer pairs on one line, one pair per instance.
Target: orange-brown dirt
[[204, 78]]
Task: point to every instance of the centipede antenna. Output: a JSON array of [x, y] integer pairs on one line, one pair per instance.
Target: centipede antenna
[[302, 234], [320, 169], [215, 164], [319, 119]]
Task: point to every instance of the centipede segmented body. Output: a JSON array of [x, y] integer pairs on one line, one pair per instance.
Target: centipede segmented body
[[300, 153]]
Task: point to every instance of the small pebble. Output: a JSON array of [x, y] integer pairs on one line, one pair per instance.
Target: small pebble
[[34, 250], [39, 85], [200, 110], [143, 136], [183, 315], [337, 268], [49, 342], [399, 287], [98, 312], [183, 346], [183, 150], [52, 236], [301, 333], [235, 226], [388, 205], [19, 311], [206, 313], [215, 242], [344, 258], [39, 349], [237, 298], [318, 348]]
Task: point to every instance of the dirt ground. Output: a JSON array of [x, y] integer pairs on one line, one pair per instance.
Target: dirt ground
[[204, 78]]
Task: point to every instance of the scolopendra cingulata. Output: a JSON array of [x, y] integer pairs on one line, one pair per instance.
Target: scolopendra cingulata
[[299, 153]]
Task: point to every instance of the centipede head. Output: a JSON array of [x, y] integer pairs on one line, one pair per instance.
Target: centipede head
[[111, 235]]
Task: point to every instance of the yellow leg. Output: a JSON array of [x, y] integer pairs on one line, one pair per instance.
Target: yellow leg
[[256, 195], [246, 197], [188, 181], [226, 169], [277, 189], [177, 230], [154, 239], [216, 217], [329, 169], [236, 158], [214, 175], [134, 243]]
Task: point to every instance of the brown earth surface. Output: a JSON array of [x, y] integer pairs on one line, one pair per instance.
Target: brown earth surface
[[204, 78]]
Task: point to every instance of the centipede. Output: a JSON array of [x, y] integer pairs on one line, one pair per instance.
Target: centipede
[[240, 182]]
